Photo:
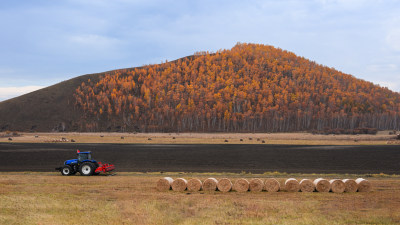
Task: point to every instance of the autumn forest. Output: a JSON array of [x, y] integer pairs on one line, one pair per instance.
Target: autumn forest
[[249, 88]]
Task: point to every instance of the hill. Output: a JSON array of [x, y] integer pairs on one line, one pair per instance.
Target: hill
[[249, 88]]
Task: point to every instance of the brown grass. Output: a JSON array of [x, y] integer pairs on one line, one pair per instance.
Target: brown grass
[[206, 138], [48, 198]]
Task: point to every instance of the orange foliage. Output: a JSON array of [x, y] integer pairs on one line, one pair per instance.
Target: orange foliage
[[250, 88]]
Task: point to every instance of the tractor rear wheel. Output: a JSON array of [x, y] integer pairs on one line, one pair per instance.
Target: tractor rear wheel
[[66, 171], [86, 169]]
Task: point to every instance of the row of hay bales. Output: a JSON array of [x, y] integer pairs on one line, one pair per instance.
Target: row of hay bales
[[269, 185]]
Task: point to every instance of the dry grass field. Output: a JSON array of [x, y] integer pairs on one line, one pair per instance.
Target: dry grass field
[[381, 138], [131, 198]]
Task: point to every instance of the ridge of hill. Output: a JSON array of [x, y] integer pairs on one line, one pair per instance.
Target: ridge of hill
[[249, 88]]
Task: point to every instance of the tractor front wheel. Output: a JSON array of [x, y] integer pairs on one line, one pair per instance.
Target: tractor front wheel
[[66, 171], [86, 169]]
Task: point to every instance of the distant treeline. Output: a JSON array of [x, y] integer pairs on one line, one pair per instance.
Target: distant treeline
[[250, 88]]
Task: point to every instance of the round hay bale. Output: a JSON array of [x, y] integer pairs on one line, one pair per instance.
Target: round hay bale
[[224, 185], [363, 185], [164, 184], [272, 185], [306, 185], [194, 185], [322, 185], [210, 184], [292, 185], [179, 184], [337, 186], [241, 185], [350, 185], [256, 184]]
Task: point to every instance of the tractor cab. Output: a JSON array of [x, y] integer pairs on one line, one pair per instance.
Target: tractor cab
[[84, 156]]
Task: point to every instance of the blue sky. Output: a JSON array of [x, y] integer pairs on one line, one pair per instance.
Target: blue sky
[[46, 42]]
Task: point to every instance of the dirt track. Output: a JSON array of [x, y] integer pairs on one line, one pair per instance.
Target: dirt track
[[208, 158]]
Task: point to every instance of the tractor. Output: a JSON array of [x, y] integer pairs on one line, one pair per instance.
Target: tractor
[[85, 165]]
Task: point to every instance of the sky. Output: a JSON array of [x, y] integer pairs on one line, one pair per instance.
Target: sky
[[46, 42]]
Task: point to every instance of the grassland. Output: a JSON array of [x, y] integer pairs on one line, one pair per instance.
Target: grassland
[[383, 138], [131, 198]]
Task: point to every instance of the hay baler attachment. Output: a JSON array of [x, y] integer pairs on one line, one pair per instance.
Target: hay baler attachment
[[104, 168]]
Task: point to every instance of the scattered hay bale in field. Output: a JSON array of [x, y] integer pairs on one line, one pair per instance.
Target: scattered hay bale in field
[[350, 185], [250, 139], [164, 184], [241, 139], [241, 185], [10, 139], [363, 185], [337, 186], [398, 136], [72, 140], [292, 185], [272, 185], [226, 140], [179, 184], [149, 139], [101, 135], [194, 185], [322, 185], [122, 137], [355, 140], [173, 137], [224, 185], [263, 141], [210, 184], [306, 185], [256, 184], [258, 139], [36, 136]]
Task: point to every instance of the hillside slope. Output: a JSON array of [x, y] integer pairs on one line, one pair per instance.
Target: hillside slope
[[249, 88], [47, 109]]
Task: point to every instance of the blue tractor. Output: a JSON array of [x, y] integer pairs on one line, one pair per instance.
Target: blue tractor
[[85, 165]]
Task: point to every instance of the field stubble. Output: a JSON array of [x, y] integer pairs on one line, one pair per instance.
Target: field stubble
[[382, 138], [130, 198]]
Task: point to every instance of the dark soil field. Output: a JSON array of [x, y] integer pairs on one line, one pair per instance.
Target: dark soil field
[[208, 158]]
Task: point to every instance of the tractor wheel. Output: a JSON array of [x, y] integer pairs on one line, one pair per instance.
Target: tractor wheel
[[66, 171], [86, 169]]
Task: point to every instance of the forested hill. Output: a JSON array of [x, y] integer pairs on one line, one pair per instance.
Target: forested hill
[[249, 88]]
